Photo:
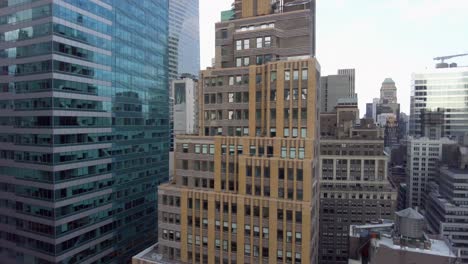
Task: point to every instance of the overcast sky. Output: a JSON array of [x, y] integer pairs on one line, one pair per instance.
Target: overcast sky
[[379, 38]]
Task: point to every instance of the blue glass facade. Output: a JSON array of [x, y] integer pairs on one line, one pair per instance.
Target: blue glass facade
[[84, 128]]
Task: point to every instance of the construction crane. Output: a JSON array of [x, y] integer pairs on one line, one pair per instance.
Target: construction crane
[[443, 58]]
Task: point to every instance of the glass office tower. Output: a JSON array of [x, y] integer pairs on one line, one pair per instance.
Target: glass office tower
[[184, 38], [83, 128], [442, 90]]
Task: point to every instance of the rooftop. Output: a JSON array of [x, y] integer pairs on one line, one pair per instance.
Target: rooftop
[[438, 247], [152, 256]]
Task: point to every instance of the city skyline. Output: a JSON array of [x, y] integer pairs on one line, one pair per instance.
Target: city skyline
[[400, 43]]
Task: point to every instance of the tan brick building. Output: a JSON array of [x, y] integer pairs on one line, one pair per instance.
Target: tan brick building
[[245, 189]]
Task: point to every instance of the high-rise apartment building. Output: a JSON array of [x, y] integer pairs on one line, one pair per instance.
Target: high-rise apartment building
[[83, 130], [354, 188], [423, 157], [245, 188], [444, 90], [351, 74], [184, 38]]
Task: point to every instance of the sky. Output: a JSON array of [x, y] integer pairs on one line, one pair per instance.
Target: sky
[[379, 38]]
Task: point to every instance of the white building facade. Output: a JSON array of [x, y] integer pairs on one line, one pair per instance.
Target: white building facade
[[423, 155]]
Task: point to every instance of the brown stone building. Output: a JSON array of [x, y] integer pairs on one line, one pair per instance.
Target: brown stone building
[[354, 188], [245, 189]]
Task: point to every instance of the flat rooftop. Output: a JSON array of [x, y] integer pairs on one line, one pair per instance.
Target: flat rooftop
[[438, 247], [151, 256]]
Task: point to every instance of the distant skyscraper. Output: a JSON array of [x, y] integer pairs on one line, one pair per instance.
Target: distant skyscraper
[[83, 128], [442, 89], [332, 88], [351, 73], [184, 38], [388, 92]]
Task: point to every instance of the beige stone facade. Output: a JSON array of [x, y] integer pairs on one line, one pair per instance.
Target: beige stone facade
[[245, 189]]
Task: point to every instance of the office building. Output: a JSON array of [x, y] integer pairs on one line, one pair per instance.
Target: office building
[[185, 105], [447, 209], [441, 89], [332, 88], [423, 156], [354, 188], [184, 38], [432, 123], [84, 128], [245, 189], [402, 242], [351, 74]]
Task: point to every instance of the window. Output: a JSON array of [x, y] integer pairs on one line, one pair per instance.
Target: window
[[301, 153], [280, 255], [298, 257], [197, 148], [238, 44], [246, 43], [205, 149], [304, 74], [267, 42], [246, 61], [212, 149], [304, 93], [283, 152], [238, 62], [292, 153], [259, 42], [230, 115], [273, 76], [259, 60], [247, 230], [231, 97], [185, 148], [294, 132], [287, 75], [298, 237], [295, 75], [286, 132], [265, 232], [238, 79], [231, 80], [224, 33], [247, 249]]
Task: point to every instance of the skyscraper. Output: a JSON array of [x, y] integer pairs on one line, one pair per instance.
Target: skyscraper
[[84, 128], [184, 38], [351, 73], [443, 90], [245, 189], [333, 88], [388, 92]]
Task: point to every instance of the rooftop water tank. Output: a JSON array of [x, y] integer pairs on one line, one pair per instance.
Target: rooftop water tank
[[409, 223]]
